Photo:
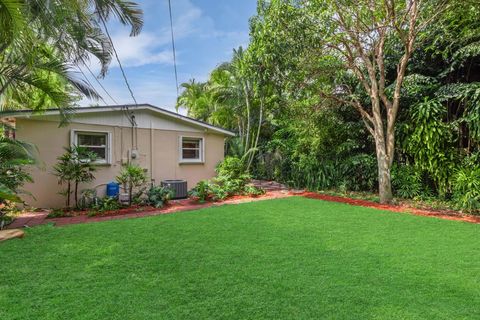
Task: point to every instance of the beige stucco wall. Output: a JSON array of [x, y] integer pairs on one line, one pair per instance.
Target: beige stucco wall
[[158, 149]]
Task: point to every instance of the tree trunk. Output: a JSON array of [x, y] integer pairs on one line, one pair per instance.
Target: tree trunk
[[76, 194], [384, 165], [247, 104], [130, 191], [68, 194], [260, 120]]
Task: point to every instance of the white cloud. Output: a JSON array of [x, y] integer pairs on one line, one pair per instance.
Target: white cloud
[[140, 50], [148, 56], [151, 47]]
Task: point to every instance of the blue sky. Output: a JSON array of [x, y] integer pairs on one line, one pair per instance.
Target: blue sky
[[206, 31]]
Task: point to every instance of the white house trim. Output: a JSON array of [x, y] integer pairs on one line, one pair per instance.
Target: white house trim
[[181, 160], [108, 153], [132, 108]]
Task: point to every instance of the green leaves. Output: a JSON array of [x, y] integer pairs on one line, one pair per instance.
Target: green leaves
[[467, 189], [40, 42], [158, 196], [430, 141], [75, 166], [131, 177]]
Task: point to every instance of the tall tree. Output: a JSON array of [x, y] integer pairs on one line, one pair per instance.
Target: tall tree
[[344, 43]]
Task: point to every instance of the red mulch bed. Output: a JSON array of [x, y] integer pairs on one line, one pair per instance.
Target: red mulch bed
[[122, 211], [444, 214], [172, 206]]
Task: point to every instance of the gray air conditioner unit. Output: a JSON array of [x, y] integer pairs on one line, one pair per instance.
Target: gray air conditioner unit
[[179, 186]]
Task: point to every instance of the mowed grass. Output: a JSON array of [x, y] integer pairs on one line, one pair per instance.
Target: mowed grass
[[292, 258]]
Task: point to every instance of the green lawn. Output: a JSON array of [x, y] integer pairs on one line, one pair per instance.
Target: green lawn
[[292, 258]]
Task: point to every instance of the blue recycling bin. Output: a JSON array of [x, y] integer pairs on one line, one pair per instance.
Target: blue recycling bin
[[113, 189]]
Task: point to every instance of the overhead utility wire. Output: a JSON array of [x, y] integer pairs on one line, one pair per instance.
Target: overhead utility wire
[[118, 59], [130, 116], [173, 46], [99, 83], [89, 83], [83, 62]]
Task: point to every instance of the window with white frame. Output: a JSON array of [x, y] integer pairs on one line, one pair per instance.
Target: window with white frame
[[96, 142], [191, 149]]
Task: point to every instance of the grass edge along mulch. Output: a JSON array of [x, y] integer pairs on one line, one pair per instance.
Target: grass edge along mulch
[[447, 215]]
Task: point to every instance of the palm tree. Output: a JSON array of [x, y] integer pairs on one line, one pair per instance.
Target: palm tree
[[40, 41], [14, 156], [232, 98]]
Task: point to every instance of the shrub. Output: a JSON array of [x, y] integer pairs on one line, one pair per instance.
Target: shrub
[[14, 157], [201, 191], [466, 189], [8, 210], [74, 167], [231, 168], [359, 172], [88, 198], [251, 190], [406, 181], [232, 186], [105, 204], [158, 196], [132, 177], [218, 192], [59, 213], [231, 180]]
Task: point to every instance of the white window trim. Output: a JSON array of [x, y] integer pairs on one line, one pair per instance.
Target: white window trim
[[180, 150], [74, 142]]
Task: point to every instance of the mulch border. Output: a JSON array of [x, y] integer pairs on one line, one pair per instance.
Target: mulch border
[[33, 219], [447, 215], [172, 207]]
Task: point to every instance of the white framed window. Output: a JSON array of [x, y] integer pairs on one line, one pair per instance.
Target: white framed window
[[98, 142], [191, 149]]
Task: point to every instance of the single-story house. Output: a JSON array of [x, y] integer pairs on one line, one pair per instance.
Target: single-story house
[[165, 144]]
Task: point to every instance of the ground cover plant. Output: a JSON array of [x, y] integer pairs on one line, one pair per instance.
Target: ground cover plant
[[232, 179], [286, 258]]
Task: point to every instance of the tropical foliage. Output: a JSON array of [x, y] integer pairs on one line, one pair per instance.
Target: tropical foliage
[[132, 178], [349, 97], [158, 196], [74, 167], [14, 157], [43, 42], [231, 180]]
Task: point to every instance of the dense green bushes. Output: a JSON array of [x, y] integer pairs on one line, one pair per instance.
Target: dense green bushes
[[15, 156], [75, 166], [231, 180], [158, 196], [306, 107]]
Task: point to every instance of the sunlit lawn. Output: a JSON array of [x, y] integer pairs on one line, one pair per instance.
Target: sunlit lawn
[[292, 258]]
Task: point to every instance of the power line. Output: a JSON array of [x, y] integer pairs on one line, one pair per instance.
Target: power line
[[131, 117], [173, 46], [83, 61], [99, 83], [90, 84], [118, 59], [129, 114]]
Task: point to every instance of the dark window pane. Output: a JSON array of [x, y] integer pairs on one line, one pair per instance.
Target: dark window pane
[[191, 154], [92, 139], [191, 143]]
